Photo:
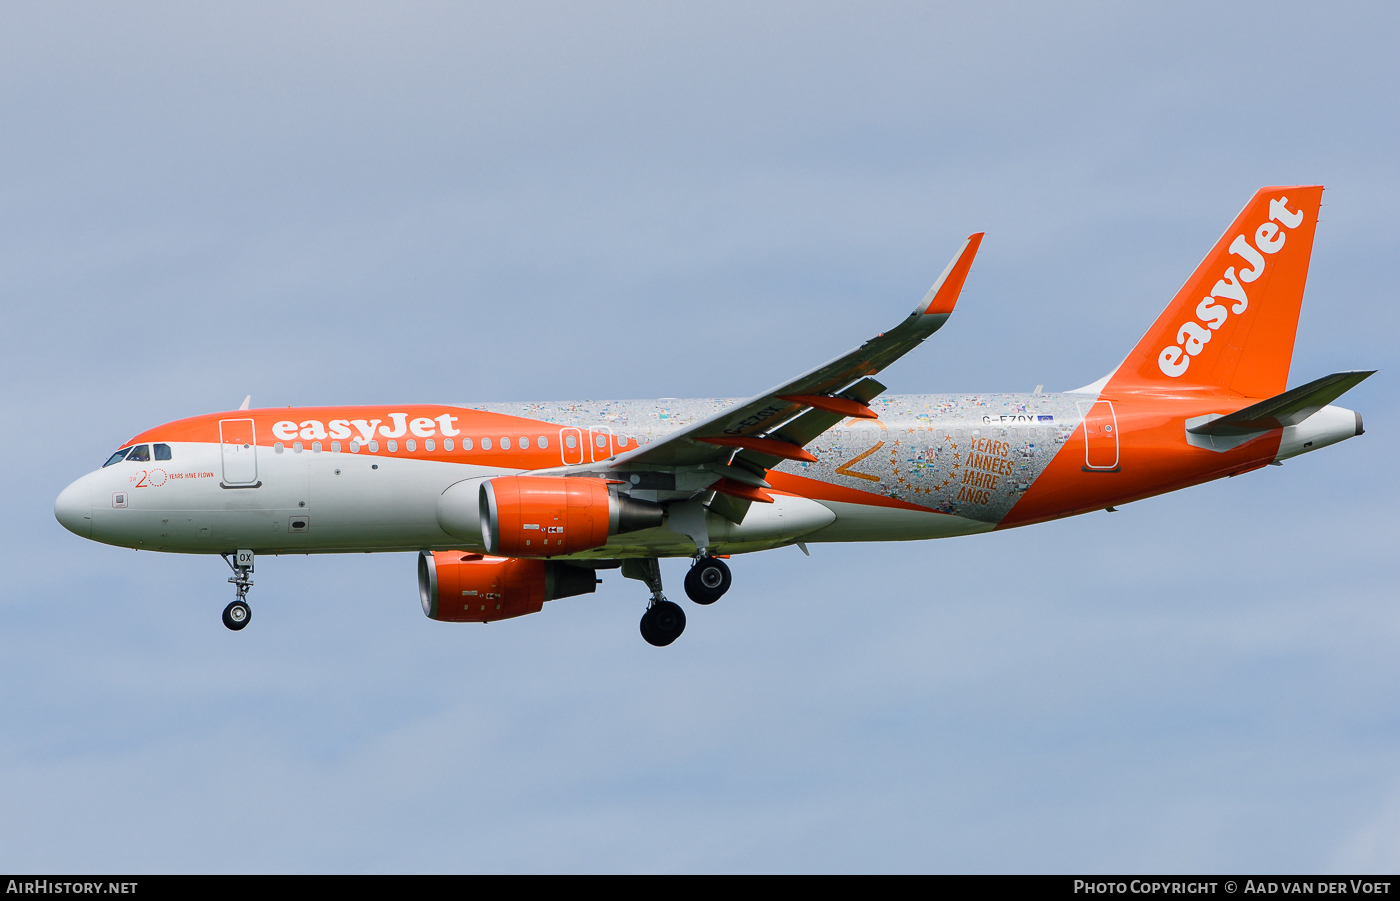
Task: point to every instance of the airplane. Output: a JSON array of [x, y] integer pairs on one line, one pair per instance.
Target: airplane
[[511, 505]]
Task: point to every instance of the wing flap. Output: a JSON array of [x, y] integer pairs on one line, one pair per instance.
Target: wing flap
[[805, 428], [838, 405], [783, 450]]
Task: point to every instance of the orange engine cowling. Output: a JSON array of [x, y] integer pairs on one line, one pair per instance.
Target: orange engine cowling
[[464, 587], [544, 516]]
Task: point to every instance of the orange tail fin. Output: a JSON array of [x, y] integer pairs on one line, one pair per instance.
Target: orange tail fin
[[1231, 326]]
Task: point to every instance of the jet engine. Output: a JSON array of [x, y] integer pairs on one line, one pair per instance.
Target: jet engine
[[462, 587], [544, 516]]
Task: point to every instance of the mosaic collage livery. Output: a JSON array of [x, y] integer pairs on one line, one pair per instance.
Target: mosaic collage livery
[[511, 505]]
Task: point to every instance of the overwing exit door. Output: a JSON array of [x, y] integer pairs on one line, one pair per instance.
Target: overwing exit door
[[571, 446], [601, 446], [1100, 436], [239, 445]]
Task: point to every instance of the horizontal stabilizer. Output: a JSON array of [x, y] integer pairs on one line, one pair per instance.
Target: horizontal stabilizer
[[1289, 408]]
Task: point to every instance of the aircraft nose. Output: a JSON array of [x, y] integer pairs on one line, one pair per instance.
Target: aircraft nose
[[74, 508]]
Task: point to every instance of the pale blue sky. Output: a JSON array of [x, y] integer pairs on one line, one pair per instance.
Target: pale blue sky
[[332, 203]]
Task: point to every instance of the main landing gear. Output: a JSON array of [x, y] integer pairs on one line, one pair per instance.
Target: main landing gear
[[707, 580], [663, 621], [238, 614]]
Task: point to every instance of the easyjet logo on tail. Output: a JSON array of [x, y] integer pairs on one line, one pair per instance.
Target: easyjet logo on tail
[[1229, 296]]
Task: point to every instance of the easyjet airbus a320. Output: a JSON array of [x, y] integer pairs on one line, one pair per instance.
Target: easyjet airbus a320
[[512, 505]]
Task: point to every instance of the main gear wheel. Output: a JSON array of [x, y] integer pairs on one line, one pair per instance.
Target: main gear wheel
[[663, 623], [707, 580]]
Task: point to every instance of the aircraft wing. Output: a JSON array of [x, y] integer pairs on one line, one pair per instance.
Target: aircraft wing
[[774, 425]]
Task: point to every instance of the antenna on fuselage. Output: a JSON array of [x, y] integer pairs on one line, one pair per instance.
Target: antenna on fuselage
[[246, 401]]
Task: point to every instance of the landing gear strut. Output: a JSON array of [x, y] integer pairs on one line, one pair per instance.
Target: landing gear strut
[[237, 614], [707, 580], [663, 621]]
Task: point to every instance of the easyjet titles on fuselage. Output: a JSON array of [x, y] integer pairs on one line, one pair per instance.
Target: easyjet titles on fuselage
[[339, 429]]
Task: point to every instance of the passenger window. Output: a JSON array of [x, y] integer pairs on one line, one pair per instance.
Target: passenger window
[[162, 452], [524, 443], [485, 443], [139, 454], [505, 444], [116, 458], [544, 442]]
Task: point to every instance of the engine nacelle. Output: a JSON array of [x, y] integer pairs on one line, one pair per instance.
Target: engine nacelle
[[544, 516], [463, 587]]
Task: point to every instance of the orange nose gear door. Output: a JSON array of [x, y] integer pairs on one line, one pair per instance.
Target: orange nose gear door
[[239, 445], [1100, 436]]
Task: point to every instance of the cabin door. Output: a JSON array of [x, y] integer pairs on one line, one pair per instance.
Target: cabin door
[[1100, 436], [238, 443]]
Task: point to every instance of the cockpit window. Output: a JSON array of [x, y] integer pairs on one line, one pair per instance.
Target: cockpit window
[[141, 453], [162, 452], [116, 458]]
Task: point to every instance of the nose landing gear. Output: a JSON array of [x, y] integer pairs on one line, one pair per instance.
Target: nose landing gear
[[708, 580], [238, 614]]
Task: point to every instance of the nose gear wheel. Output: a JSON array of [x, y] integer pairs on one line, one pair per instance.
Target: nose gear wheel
[[237, 614]]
